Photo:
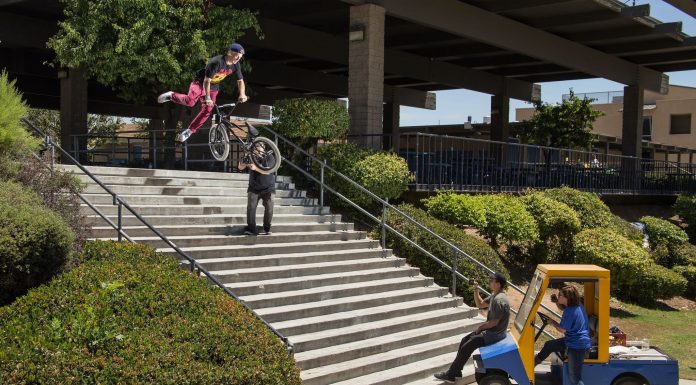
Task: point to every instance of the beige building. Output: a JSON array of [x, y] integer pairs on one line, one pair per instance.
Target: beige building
[[669, 121]]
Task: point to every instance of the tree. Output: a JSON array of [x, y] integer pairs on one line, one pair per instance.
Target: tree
[[564, 125], [141, 48], [15, 140]]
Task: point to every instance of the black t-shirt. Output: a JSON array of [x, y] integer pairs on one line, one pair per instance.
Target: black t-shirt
[[216, 69], [261, 184]]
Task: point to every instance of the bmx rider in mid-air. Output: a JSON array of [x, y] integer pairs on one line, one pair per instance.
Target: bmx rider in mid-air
[[205, 87]]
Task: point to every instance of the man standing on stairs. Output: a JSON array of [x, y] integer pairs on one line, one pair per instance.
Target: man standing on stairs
[[260, 186], [490, 332]]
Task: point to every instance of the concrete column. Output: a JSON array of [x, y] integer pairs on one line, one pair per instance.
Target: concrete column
[[392, 120], [632, 120], [366, 70], [500, 116], [73, 109]]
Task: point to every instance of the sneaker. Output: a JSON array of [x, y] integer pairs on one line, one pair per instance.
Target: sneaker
[[165, 97], [267, 232], [249, 232], [444, 376], [183, 135]]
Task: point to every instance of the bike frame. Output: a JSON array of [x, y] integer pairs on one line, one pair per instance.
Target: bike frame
[[225, 119]]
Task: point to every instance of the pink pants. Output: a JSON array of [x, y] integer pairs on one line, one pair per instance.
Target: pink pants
[[195, 93]]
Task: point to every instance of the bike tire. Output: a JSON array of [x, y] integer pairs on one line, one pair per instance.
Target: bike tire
[[263, 164], [219, 142]]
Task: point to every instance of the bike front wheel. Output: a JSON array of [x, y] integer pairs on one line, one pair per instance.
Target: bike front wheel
[[219, 142], [265, 155]]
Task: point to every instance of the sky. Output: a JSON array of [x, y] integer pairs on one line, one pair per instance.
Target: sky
[[453, 106]]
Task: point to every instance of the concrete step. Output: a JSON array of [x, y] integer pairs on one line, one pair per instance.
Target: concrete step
[[212, 219], [300, 283], [288, 259], [330, 374], [161, 173], [229, 253], [103, 198], [178, 182], [373, 314], [174, 190], [369, 259], [367, 330], [416, 373], [279, 229], [338, 305], [323, 293], [244, 240], [384, 343], [204, 210]]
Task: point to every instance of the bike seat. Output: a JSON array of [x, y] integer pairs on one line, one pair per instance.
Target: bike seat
[[252, 130]]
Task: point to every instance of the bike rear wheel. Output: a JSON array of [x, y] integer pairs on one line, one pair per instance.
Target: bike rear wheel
[[219, 142], [265, 155]]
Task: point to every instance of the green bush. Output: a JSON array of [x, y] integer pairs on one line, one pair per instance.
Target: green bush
[[556, 223], [689, 273], [15, 140], [507, 219], [627, 230], [685, 207], [662, 232], [131, 316], [342, 157], [634, 275], [684, 254], [308, 120], [473, 246], [34, 242], [384, 174], [458, 209], [591, 210]]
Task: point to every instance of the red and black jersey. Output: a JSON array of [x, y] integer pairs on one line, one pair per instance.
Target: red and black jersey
[[216, 69]]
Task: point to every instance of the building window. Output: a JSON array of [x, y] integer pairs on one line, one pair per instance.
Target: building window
[[680, 124], [647, 128]]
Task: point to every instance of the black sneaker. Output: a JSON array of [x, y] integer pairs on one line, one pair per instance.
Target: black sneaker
[[249, 232], [267, 232], [444, 376]]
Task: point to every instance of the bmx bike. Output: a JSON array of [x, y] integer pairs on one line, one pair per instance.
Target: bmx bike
[[261, 151]]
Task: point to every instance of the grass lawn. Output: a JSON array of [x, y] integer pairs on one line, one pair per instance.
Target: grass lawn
[[669, 329]]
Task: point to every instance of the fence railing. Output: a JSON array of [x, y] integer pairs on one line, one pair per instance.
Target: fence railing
[[194, 266], [476, 165], [310, 162]]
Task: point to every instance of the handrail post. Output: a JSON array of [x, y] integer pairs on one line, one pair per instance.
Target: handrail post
[[454, 272], [120, 220], [384, 222], [185, 155], [321, 183]]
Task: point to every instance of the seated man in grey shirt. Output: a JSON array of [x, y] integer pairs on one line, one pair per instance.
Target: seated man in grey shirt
[[491, 331]]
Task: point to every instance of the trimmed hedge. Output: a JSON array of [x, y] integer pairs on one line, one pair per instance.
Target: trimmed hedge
[[308, 120], [689, 273], [458, 209], [634, 275], [556, 223], [35, 243], [129, 315], [384, 174], [507, 218], [473, 246], [591, 210], [662, 232], [685, 207]]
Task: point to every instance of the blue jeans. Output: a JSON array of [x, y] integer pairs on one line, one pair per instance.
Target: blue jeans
[[576, 357], [551, 346]]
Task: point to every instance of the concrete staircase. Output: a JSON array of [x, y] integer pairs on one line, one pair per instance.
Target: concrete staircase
[[355, 313]]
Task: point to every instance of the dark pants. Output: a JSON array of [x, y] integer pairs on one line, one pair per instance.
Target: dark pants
[[252, 203], [576, 357], [469, 343], [195, 94], [552, 346]]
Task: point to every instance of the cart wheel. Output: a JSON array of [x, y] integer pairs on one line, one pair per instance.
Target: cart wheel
[[629, 380], [494, 379]]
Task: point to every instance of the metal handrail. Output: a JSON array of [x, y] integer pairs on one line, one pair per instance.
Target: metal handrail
[[117, 200], [385, 205]]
